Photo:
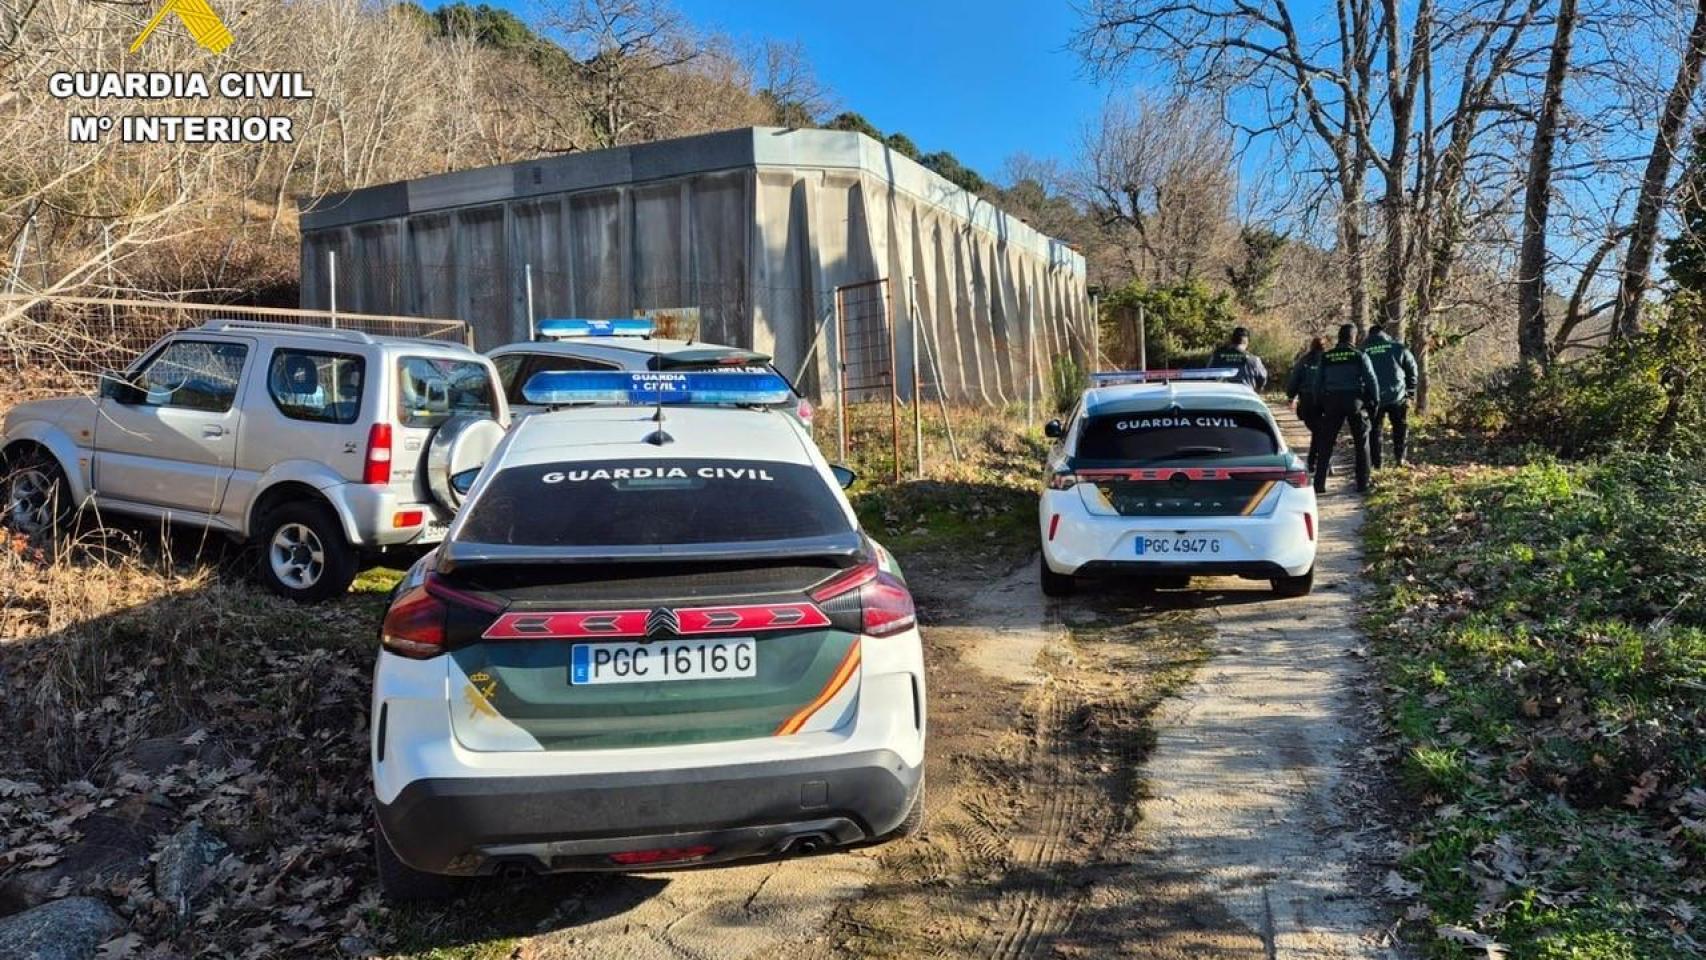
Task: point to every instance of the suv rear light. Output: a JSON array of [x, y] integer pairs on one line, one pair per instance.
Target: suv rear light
[[885, 605], [1297, 477], [804, 411], [1063, 480], [377, 467], [414, 626]]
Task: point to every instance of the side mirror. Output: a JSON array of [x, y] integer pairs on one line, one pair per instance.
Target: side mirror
[[1053, 430], [843, 475], [118, 388]]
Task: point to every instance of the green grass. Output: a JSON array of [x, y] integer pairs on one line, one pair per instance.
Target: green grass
[[1541, 630]]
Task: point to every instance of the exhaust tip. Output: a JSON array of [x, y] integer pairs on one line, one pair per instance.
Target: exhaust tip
[[514, 870]]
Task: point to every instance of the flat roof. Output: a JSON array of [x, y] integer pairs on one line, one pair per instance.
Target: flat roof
[[744, 148]]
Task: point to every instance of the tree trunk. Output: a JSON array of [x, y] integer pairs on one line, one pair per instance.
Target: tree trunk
[[1656, 181], [1537, 199], [1355, 248], [1401, 94]]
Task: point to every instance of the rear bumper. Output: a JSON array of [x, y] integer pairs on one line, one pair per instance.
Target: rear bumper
[[472, 826], [368, 512], [1249, 570]]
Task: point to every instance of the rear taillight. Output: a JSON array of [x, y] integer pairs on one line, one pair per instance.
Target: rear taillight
[[1062, 480], [804, 411], [1309, 526], [1297, 477], [1053, 525], [885, 605], [414, 626], [377, 467]]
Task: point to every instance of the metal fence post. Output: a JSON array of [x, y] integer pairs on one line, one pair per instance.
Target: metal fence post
[[332, 282], [917, 384], [1142, 339], [1095, 333], [840, 380], [527, 272], [894, 381], [1031, 373]]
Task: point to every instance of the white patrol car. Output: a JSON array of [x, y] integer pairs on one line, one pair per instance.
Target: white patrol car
[[1166, 475], [655, 636], [623, 344]]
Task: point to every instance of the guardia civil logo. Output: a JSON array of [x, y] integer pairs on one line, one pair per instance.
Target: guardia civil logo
[[198, 18]]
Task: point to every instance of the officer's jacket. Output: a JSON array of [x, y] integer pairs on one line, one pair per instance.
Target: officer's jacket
[[1346, 372], [1394, 367], [1251, 371], [1303, 374]]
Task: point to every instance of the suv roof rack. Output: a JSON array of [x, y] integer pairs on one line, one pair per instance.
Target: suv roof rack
[[297, 328]]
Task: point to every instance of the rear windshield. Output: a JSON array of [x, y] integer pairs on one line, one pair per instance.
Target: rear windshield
[[1176, 435], [608, 503], [430, 390]]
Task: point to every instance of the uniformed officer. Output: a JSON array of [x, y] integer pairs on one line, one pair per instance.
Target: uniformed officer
[[1346, 386], [1300, 390], [1236, 353], [1395, 370]]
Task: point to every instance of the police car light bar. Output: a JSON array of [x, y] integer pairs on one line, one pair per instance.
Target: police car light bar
[[620, 327], [1117, 377], [559, 388]]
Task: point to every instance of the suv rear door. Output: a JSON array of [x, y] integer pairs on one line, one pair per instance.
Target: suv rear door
[[169, 437], [1177, 462], [428, 389]]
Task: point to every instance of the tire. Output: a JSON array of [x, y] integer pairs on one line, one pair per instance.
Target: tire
[[401, 883], [913, 825], [1294, 586], [303, 553], [1055, 584], [37, 497]]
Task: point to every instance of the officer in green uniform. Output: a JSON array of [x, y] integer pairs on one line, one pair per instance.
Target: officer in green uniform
[[1236, 353], [1346, 385], [1395, 370], [1300, 390]]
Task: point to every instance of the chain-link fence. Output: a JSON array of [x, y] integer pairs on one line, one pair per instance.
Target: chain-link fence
[[865, 358], [53, 343]]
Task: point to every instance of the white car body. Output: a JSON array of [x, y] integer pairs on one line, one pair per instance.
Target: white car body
[[476, 772], [1252, 515]]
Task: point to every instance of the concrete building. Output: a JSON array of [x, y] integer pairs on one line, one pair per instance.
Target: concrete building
[[755, 228]]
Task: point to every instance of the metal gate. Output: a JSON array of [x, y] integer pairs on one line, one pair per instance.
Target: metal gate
[[865, 357]]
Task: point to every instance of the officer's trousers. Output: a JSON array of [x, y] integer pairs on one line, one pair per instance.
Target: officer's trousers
[[1399, 414], [1337, 410], [1309, 411]]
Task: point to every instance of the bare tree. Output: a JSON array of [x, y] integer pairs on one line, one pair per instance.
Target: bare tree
[[1320, 87], [1655, 182], [789, 85], [1532, 341], [1159, 175], [625, 53]]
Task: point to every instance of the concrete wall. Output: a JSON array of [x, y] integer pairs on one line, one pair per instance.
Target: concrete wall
[[756, 227]]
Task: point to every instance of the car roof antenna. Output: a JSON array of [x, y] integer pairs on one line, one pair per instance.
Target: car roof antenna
[[658, 437]]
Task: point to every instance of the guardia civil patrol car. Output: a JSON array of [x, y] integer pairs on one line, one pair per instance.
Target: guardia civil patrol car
[[1169, 474], [654, 636]]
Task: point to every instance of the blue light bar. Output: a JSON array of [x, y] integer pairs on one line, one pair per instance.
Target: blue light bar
[[1115, 378], [620, 327], [556, 388]]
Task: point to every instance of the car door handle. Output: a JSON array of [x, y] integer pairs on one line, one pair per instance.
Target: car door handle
[[213, 430]]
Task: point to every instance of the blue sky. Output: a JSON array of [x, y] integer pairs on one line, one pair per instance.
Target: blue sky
[[981, 80]]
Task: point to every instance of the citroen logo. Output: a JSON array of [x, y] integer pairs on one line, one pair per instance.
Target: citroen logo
[[662, 620]]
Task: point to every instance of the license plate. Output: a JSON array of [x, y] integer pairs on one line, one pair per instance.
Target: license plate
[[433, 532], [725, 659], [1181, 546]]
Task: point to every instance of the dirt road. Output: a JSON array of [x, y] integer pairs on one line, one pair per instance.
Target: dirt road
[[1150, 775]]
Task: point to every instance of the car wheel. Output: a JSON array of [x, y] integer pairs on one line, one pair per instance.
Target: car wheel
[[1294, 586], [401, 883], [913, 825], [304, 555], [38, 500], [1055, 584]]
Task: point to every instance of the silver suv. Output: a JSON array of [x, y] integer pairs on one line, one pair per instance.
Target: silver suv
[[316, 445]]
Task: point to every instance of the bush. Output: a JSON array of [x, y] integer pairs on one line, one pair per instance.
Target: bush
[[1066, 380], [1183, 324], [1641, 394]]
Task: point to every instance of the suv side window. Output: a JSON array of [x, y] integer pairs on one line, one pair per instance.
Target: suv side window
[[430, 390], [316, 386], [536, 363], [192, 375]]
